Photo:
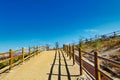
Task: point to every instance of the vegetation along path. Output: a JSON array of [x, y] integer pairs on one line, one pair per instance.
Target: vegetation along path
[[48, 65]]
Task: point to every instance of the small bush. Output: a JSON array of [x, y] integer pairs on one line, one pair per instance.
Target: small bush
[[3, 64]]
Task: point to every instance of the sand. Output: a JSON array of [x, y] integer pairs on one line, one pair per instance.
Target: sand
[[45, 66]]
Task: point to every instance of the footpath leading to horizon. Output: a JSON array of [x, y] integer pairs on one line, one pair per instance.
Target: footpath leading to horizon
[[48, 65]]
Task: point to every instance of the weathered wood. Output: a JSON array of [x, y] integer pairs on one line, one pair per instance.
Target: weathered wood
[[80, 61], [63, 47], [22, 54], [34, 50], [69, 52], [29, 51], [66, 49], [11, 59], [97, 66], [73, 54]]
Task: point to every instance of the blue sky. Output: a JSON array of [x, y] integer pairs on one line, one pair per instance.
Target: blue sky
[[37, 22]]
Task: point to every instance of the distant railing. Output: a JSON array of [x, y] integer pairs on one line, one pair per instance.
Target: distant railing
[[104, 36], [14, 57], [93, 66]]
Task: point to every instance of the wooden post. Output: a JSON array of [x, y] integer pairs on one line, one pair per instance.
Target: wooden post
[[37, 50], [34, 50], [66, 49], [69, 52], [97, 66], [29, 52], [63, 47], [80, 61], [73, 55], [11, 59], [22, 54]]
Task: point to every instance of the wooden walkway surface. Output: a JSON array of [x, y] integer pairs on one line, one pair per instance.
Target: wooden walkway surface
[[48, 65]]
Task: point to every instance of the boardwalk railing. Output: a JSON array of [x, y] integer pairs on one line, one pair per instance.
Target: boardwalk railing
[[92, 64], [14, 57], [97, 72], [92, 68], [105, 36]]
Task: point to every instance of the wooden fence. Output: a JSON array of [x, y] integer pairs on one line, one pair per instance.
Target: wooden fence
[[104, 36], [14, 57], [92, 69]]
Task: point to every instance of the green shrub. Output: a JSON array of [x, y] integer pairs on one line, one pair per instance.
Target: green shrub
[[3, 64], [96, 44]]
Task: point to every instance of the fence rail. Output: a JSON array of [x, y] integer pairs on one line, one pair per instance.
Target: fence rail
[[112, 34], [92, 67], [14, 57]]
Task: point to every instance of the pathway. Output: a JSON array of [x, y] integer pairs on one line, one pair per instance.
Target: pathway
[[48, 65]]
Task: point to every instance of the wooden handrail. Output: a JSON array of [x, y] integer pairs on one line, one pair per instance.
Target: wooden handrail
[[4, 53], [116, 63], [22, 56], [96, 65]]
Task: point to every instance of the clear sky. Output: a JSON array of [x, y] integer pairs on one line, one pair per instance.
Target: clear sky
[[35, 22]]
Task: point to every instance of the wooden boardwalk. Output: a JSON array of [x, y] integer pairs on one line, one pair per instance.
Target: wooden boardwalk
[[48, 65]]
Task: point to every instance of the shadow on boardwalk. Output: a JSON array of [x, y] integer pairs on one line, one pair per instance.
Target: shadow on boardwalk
[[60, 54], [51, 70]]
